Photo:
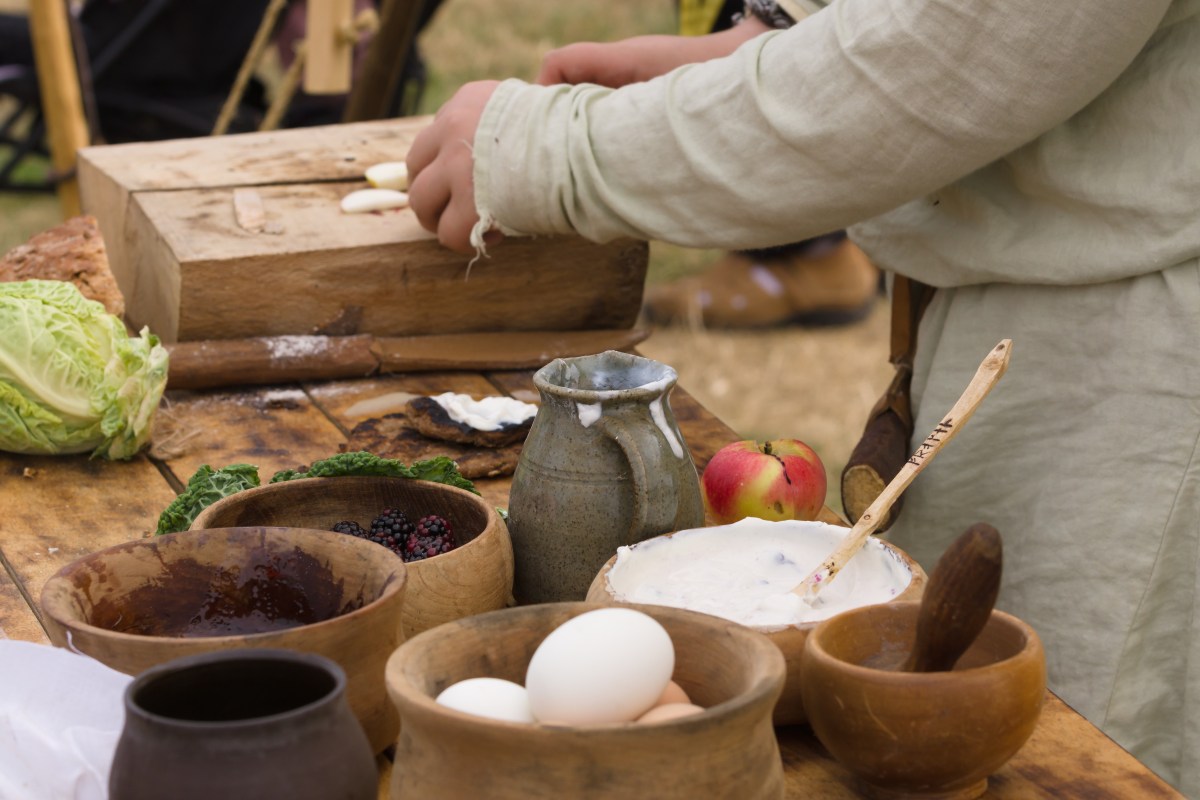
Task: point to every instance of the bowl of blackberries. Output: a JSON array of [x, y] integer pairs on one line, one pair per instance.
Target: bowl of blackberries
[[456, 547]]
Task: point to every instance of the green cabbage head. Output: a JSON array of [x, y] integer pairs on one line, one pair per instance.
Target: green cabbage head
[[71, 379]]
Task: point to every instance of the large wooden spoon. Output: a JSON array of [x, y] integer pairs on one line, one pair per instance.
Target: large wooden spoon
[[989, 372], [958, 600]]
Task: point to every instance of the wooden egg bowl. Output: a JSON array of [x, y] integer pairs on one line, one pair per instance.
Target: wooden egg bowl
[[727, 752], [921, 734], [790, 640], [476, 576], [135, 605]]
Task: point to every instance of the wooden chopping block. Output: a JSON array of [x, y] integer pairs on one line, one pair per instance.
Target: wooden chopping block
[[191, 271]]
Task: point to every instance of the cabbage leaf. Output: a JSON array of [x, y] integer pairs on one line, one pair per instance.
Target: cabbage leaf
[[71, 379]]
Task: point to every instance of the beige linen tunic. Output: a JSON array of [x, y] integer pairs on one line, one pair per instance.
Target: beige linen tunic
[[1040, 162]]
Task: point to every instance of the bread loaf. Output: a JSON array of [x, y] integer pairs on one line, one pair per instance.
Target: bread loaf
[[73, 251]]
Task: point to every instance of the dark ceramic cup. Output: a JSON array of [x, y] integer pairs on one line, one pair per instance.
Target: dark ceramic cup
[[242, 724]]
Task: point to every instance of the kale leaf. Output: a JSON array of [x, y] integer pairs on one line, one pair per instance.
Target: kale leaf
[[204, 488], [438, 470]]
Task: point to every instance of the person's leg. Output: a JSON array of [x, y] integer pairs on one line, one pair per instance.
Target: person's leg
[[823, 281]]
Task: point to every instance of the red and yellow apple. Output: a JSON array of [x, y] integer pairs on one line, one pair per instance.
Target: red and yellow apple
[[777, 480]]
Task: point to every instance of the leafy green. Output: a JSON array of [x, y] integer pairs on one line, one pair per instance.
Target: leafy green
[[204, 488], [71, 378], [438, 470]]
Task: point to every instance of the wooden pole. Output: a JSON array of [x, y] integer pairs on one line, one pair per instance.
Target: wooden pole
[[62, 102], [329, 50], [383, 67]]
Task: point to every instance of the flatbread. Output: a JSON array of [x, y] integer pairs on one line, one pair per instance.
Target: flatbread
[[393, 436], [428, 417]]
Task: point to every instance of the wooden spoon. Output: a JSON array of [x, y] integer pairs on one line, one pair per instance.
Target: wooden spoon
[[958, 600], [989, 372]]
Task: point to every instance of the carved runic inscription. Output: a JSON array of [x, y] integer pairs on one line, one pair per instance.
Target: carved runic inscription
[[931, 441]]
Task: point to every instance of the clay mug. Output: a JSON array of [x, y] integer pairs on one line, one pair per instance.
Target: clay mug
[[242, 723], [604, 465]]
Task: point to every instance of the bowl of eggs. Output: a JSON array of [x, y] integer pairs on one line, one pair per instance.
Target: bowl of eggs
[[587, 701], [146, 602], [476, 575], [744, 572]]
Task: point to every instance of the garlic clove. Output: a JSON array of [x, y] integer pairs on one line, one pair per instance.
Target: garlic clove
[[373, 200], [388, 175]]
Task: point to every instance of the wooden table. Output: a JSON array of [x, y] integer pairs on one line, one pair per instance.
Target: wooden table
[[54, 510]]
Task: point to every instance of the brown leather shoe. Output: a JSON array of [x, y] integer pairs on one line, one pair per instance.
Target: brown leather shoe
[[833, 287]]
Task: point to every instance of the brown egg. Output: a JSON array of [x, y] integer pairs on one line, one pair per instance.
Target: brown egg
[[669, 711], [674, 693]]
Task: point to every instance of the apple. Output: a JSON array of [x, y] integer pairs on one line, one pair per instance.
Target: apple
[[781, 479]]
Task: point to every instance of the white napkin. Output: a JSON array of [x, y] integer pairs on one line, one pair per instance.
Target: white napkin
[[60, 717]]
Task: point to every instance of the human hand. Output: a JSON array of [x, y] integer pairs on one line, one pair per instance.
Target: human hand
[[615, 64], [441, 187]]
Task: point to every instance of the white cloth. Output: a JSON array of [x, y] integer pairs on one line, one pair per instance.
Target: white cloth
[[1039, 161], [61, 715]]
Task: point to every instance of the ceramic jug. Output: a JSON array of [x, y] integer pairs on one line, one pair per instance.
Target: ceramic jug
[[242, 723], [604, 465]]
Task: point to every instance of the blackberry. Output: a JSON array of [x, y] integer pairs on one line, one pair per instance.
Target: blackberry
[[390, 529], [431, 536], [352, 528]]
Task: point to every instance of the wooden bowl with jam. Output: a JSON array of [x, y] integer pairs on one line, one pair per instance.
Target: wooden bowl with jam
[[146, 602]]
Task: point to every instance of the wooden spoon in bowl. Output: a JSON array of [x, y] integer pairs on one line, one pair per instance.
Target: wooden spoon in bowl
[[958, 600], [993, 367]]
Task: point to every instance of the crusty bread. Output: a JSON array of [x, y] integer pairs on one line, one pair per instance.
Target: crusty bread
[[428, 417], [73, 251]]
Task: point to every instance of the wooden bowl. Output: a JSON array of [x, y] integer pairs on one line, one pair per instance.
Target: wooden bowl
[[790, 639], [921, 735], [146, 602], [476, 576], [727, 752]]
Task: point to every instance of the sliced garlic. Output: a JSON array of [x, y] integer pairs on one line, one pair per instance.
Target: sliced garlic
[[388, 175], [373, 200]]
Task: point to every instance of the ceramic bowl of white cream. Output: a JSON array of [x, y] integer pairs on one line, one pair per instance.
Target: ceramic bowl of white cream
[[744, 572]]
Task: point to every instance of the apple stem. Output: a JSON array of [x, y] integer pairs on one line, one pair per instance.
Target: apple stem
[[768, 450]]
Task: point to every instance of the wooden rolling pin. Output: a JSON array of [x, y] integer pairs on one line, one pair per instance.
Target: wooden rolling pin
[[286, 359]]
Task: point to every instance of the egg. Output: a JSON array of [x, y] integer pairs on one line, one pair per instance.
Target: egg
[[674, 693], [608, 665], [488, 697], [669, 711]]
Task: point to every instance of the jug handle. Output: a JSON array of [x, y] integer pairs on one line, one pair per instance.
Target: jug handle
[[645, 482]]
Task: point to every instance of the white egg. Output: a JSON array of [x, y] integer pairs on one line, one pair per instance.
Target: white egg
[[488, 697], [608, 665]]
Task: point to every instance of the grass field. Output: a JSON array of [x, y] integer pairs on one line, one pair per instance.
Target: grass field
[[812, 384]]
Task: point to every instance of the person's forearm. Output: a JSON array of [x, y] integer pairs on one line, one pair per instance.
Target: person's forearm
[[848, 114]]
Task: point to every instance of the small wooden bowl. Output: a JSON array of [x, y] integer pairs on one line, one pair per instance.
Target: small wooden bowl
[[727, 752], [476, 576], [921, 734], [138, 604], [790, 640]]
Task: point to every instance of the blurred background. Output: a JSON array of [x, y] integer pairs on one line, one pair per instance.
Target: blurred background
[[811, 383]]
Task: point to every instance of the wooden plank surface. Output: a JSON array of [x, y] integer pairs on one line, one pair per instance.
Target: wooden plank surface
[[273, 429], [56, 509]]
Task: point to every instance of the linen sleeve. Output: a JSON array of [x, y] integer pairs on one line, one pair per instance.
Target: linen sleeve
[[853, 111]]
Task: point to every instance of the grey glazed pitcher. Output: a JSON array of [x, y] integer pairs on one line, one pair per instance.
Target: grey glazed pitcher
[[604, 465]]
